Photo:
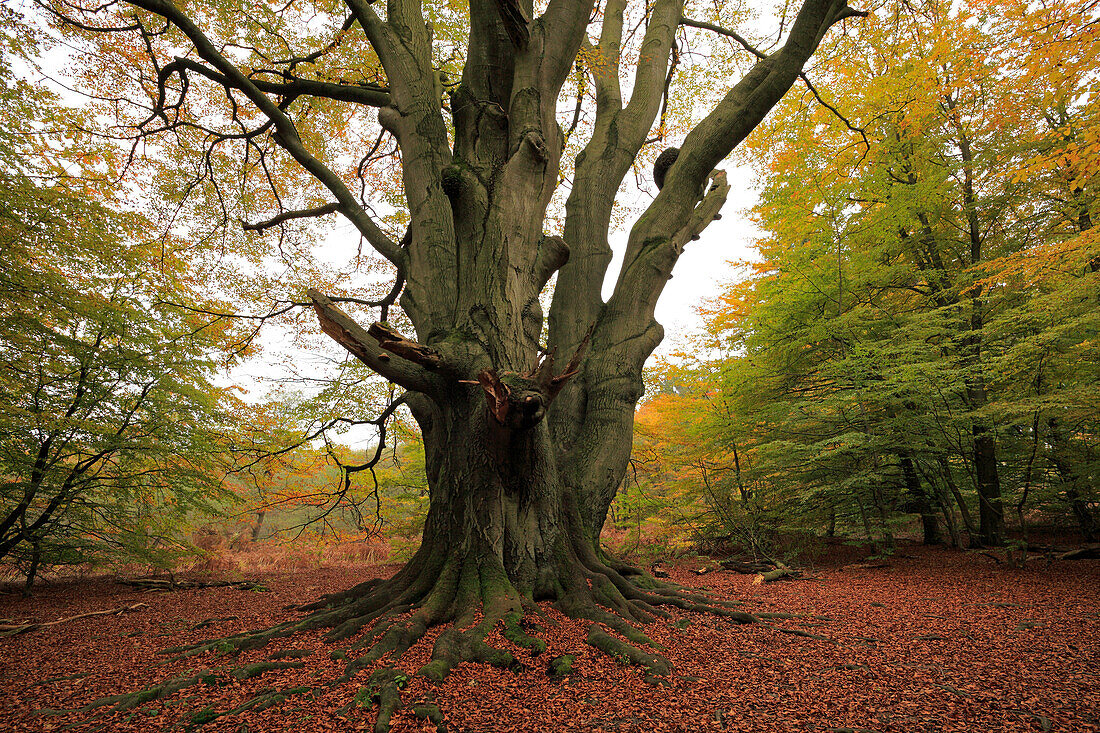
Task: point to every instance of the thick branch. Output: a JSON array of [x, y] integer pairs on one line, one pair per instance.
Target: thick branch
[[626, 332], [415, 118], [617, 138], [365, 347], [515, 20], [605, 60], [285, 133]]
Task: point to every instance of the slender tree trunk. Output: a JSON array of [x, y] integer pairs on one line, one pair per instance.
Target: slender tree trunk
[[960, 501], [32, 568], [930, 525], [257, 526], [866, 523], [1067, 473], [990, 507]]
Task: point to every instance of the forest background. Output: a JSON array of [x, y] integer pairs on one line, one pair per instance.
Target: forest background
[[911, 350]]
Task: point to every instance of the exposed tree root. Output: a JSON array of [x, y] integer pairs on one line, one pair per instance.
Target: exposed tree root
[[473, 598]]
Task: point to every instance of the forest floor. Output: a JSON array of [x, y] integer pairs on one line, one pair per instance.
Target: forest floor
[[937, 641]]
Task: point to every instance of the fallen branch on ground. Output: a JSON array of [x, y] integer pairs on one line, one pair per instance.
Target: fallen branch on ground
[[13, 629], [1088, 552], [754, 567], [168, 584], [781, 572]]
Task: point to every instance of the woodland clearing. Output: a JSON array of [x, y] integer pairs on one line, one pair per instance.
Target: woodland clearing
[[937, 640]]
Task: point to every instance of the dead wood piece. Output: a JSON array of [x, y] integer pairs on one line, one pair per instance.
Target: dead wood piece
[[395, 343], [168, 584], [748, 568], [657, 571], [1088, 552], [781, 572], [14, 629]]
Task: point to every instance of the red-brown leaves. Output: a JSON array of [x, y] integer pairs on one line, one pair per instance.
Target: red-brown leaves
[[1019, 652]]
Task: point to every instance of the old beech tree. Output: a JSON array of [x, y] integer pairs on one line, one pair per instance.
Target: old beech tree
[[526, 441]]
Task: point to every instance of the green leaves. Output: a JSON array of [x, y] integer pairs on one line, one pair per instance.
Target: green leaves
[[915, 293], [109, 419]]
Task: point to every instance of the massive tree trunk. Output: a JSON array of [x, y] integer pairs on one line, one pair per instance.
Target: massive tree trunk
[[523, 456], [526, 442]]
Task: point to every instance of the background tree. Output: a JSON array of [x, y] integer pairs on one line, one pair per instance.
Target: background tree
[[918, 327], [526, 432], [109, 420]]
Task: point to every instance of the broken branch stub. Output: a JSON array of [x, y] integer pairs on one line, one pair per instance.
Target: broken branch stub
[[496, 394], [394, 342], [520, 401]]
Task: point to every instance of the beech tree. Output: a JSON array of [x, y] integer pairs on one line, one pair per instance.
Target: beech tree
[[109, 423], [916, 333], [526, 424]]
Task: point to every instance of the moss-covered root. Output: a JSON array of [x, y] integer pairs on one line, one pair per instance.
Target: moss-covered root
[[428, 710], [656, 667], [130, 700], [454, 647], [515, 633], [233, 645], [266, 699], [384, 689]]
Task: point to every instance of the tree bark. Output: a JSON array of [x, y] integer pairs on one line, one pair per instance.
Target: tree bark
[[1068, 475]]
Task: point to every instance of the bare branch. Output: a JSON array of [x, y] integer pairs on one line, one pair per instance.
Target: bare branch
[[290, 88], [290, 215], [801, 74], [285, 133]]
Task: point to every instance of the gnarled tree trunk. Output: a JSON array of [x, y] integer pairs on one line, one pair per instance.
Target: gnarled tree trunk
[[524, 449]]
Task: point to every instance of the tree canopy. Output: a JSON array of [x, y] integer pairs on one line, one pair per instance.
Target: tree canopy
[[918, 334], [110, 421]]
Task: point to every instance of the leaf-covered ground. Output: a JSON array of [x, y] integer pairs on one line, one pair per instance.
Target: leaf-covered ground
[[938, 641]]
